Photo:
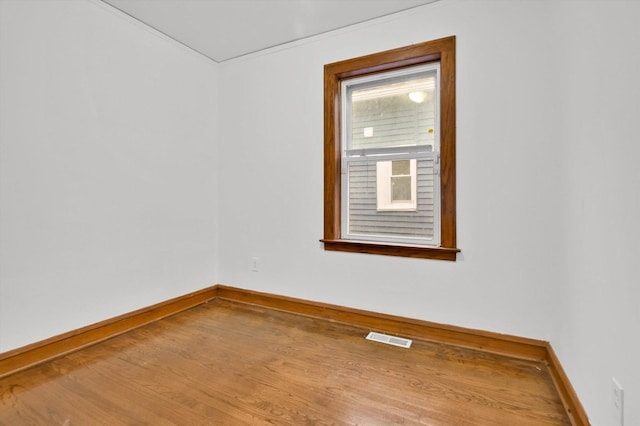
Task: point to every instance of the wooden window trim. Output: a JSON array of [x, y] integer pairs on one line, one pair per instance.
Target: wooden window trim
[[442, 50]]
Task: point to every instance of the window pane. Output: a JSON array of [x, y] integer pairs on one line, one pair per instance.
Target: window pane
[[400, 167], [400, 188], [364, 218], [394, 112]]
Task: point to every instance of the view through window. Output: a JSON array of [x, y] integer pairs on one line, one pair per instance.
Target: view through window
[[390, 153]]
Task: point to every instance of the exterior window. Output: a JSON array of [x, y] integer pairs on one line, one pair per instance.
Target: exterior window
[[390, 152], [396, 185]]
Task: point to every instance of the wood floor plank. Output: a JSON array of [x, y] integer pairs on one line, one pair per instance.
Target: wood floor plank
[[229, 363]]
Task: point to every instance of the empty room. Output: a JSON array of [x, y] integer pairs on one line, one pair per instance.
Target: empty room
[[357, 212]]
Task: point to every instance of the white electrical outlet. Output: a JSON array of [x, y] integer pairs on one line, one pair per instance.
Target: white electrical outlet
[[618, 401], [255, 264]]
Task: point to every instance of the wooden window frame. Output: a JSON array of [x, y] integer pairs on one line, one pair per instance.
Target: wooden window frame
[[441, 50]]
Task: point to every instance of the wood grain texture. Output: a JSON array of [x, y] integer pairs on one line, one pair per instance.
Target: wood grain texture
[[458, 338], [33, 354], [332, 156], [514, 346], [230, 363], [485, 341], [420, 252], [447, 49]]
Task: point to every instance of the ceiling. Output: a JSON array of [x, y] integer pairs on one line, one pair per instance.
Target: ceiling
[[227, 29]]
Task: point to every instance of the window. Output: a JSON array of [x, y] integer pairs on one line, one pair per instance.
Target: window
[[390, 152], [389, 146], [396, 185]]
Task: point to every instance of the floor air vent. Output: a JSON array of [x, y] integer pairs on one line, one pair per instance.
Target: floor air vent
[[389, 340]]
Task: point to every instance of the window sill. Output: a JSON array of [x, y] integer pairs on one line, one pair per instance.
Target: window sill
[[402, 250]]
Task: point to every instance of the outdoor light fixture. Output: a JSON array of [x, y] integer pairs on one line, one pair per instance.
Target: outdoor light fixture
[[417, 97]]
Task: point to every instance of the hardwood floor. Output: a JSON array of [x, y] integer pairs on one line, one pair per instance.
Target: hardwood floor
[[228, 363]]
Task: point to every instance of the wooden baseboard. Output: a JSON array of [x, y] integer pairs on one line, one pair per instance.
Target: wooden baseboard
[[39, 352], [514, 346], [568, 395]]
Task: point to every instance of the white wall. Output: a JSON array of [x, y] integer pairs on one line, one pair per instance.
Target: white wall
[[273, 116], [598, 334], [107, 168], [548, 196], [272, 127]]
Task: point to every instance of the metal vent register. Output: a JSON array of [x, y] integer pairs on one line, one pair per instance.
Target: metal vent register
[[389, 340]]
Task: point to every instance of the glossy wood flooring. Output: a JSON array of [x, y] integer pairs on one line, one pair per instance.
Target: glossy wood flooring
[[226, 363]]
